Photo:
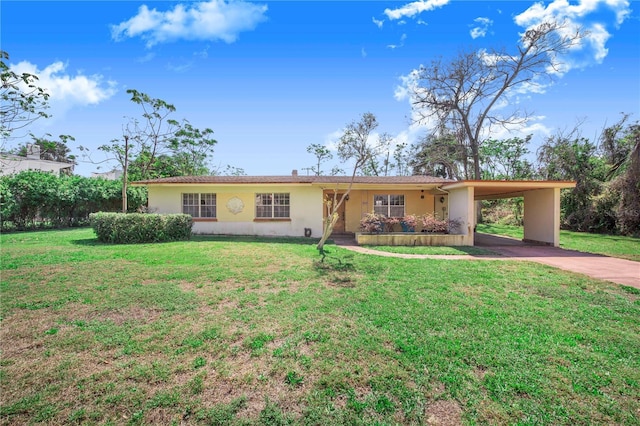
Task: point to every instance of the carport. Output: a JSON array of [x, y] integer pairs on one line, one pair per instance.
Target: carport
[[541, 205]]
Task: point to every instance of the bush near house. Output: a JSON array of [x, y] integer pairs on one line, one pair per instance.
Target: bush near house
[[118, 228], [376, 223]]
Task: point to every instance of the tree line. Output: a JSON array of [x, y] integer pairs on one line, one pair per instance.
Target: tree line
[[34, 199], [463, 98]]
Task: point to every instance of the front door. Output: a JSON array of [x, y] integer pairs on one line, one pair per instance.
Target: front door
[[339, 227]]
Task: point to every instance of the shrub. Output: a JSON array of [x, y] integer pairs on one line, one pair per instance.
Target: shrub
[[431, 223], [118, 228], [372, 222], [409, 223]]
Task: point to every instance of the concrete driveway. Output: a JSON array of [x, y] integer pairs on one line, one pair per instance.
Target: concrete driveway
[[620, 271]]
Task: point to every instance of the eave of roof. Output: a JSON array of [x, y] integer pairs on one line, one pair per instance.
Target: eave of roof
[[495, 189], [296, 180]]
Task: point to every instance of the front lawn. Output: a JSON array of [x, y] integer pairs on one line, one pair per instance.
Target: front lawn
[[608, 245], [257, 331]]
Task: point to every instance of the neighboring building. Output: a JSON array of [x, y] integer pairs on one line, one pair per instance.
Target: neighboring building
[[10, 163], [293, 205], [112, 175]]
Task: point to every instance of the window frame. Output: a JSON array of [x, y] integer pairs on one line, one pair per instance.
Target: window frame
[[388, 203], [204, 202], [279, 203]]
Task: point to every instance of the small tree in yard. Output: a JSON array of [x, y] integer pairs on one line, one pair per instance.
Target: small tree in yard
[[354, 145]]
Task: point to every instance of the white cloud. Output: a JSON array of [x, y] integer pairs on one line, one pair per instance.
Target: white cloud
[[379, 23], [403, 37], [363, 53], [180, 68], [480, 30], [67, 91], [210, 20], [411, 9], [582, 15], [533, 126]]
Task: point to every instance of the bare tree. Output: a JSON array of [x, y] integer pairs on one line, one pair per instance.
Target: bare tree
[[322, 154], [357, 146], [22, 101], [463, 95]]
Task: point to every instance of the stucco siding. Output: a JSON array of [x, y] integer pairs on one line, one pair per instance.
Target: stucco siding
[[236, 209], [461, 207], [542, 216], [416, 202]]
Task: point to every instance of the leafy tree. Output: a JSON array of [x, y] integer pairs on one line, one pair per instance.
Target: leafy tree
[[157, 145], [355, 147], [503, 159], [463, 95], [144, 140], [322, 154], [21, 100], [620, 145], [440, 156], [52, 150], [190, 148], [572, 157]]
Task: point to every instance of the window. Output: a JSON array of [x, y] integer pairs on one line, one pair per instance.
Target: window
[[389, 205], [199, 205], [272, 205]]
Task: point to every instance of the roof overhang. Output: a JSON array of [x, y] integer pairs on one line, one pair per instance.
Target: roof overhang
[[378, 186], [497, 189]]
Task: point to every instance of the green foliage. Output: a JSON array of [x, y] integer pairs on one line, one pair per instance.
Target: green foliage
[[504, 159], [117, 228], [440, 156], [51, 150], [159, 146], [32, 198], [606, 198]]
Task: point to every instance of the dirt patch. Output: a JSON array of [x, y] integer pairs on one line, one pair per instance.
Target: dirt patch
[[443, 413]]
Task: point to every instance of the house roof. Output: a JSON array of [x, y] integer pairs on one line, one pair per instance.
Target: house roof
[[496, 189], [317, 180], [483, 189]]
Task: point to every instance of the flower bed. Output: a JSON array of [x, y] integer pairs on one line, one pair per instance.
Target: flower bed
[[417, 230], [411, 239], [377, 223]]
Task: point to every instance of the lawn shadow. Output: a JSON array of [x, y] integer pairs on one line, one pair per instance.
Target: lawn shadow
[[216, 238], [256, 239]]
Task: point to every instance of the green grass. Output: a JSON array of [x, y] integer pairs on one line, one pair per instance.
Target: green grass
[[608, 245], [237, 331]]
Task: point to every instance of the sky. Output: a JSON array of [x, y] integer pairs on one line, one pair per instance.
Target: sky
[[271, 78]]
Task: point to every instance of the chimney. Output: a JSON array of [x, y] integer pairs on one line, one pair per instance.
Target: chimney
[[33, 151], [294, 173]]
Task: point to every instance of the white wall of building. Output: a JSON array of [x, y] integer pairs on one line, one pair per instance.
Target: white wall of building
[[462, 208], [10, 164], [542, 216], [305, 208]]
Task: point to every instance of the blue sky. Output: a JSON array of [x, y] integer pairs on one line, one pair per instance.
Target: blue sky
[[272, 77]]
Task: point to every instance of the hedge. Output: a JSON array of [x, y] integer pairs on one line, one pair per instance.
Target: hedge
[[131, 228], [34, 199]]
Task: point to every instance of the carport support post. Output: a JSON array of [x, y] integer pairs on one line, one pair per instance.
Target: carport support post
[[542, 216], [462, 207]]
